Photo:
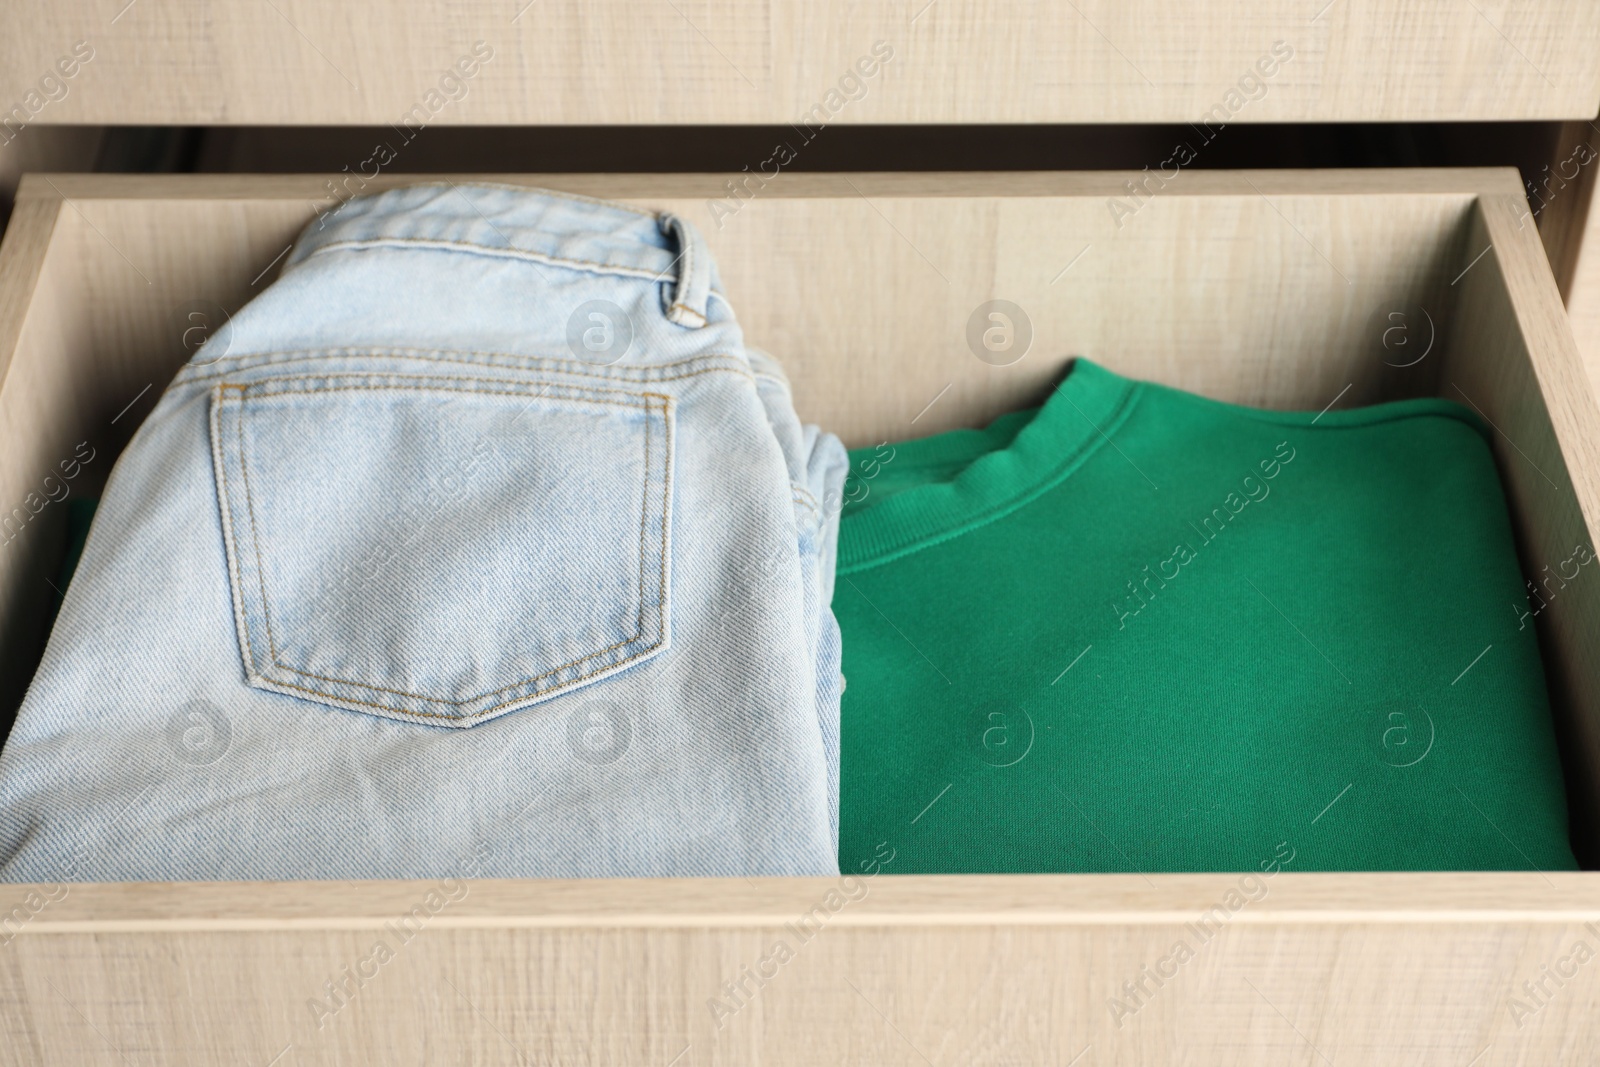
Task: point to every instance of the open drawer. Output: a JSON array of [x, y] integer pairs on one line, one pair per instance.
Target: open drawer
[[1278, 289]]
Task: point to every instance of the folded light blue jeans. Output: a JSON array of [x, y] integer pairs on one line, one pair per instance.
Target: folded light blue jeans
[[478, 543]]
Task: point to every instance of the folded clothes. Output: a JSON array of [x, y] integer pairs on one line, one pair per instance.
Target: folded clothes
[[481, 544], [1138, 630], [478, 543]]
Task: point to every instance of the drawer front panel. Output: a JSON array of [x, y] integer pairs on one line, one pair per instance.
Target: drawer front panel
[[956, 61]]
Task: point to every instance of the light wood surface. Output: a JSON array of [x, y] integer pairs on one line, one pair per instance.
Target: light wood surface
[[952, 900], [1547, 442], [48, 148], [1251, 289], [1583, 291], [691, 61], [1562, 191], [1264, 288], [1376, 969], [36, 414]]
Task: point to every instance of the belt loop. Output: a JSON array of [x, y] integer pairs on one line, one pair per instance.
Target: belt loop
[[684, 300]]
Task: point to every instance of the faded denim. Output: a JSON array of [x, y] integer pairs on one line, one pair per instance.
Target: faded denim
[[478, 543]]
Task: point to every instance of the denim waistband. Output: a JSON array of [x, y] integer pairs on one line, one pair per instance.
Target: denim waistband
[[538, 225]]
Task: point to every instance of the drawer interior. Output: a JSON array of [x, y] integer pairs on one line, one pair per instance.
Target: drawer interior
[[1285, 290]]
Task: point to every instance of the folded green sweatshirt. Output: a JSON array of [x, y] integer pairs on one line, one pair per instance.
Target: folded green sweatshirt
[[1139, 630]]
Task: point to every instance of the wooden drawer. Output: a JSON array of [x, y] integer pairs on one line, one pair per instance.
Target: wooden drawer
[[1269, 288], [197, 62], [1583, 295]]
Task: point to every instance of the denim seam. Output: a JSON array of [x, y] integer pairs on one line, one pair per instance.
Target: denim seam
[[267, 611], [686, 272], [665, 410], [586, 266], [508, 251], [701, 319], [537, 190], [338, 700], [685, 278], [429, 356], [231, 551], [424, 385]]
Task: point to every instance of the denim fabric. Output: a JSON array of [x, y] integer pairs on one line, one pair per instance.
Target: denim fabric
[[477, 543], [818, 466]]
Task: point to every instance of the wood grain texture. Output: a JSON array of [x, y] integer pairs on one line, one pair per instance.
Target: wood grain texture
[[43, 148], [1562, 189], [1513, 360], [1251, 289], [35, 402], [942, 971], [321, 189], [703, 62], [1264, 288], [1581, 244], [920, 900]]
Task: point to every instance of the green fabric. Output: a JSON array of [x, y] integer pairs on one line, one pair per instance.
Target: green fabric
[[1138, 630]]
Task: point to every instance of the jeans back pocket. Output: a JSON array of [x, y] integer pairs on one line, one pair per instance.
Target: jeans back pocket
[[442, 550]]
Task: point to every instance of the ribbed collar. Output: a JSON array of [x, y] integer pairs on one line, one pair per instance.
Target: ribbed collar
[[989, 482]]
